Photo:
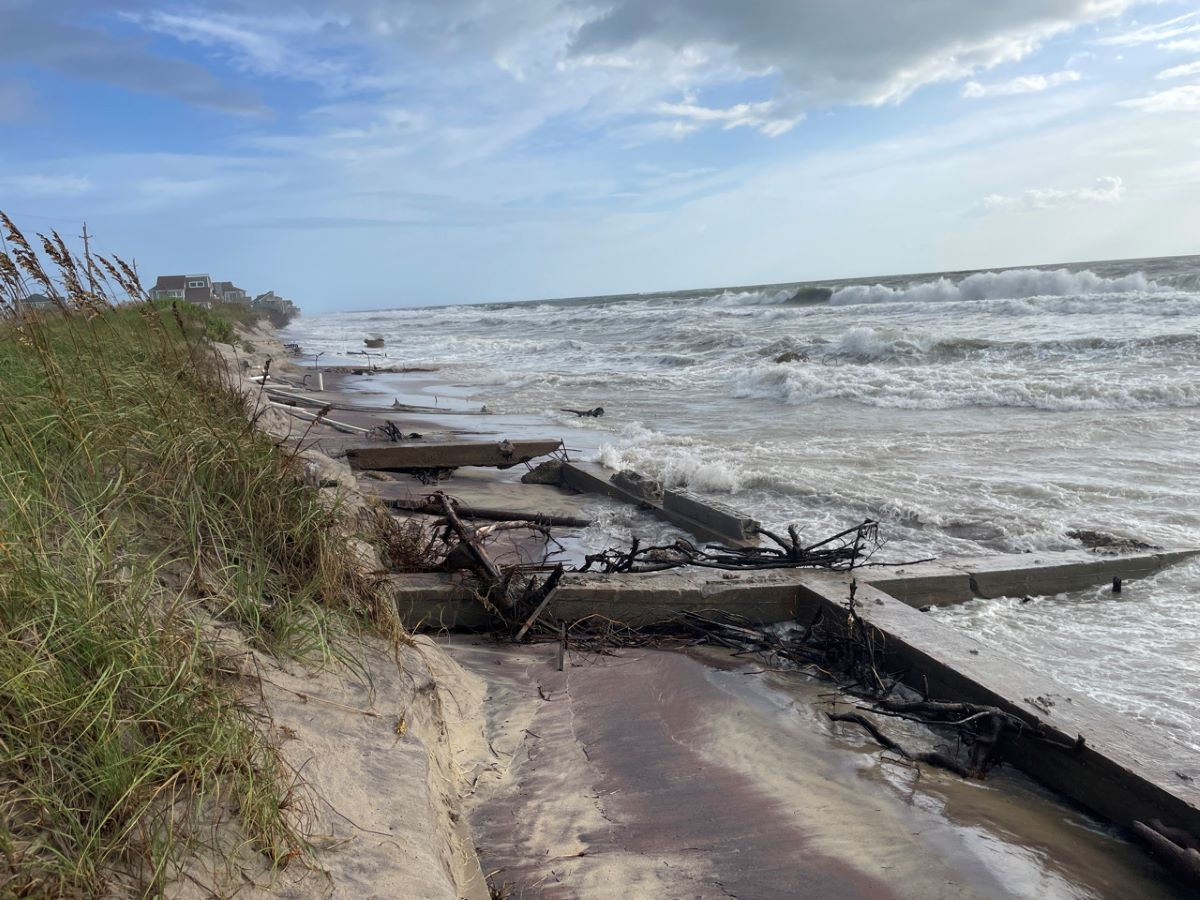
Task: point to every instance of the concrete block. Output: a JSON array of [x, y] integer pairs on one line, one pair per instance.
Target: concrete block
[[923, 584], [718, 518], [631, 482], [1055, 573]]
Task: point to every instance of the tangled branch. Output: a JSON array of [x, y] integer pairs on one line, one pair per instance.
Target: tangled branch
[[842, 551]]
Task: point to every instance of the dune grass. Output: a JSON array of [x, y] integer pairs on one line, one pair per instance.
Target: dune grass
[[140, 512]]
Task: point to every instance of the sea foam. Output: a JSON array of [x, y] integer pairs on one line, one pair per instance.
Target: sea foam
[[1006, 285]]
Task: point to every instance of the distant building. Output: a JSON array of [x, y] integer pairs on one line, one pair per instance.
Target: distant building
[[203, 291], [37, 302], [198, 289], [271, 300], [228, 292], [278, 309]]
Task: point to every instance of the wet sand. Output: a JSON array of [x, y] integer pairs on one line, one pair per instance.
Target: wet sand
[[657, 774]]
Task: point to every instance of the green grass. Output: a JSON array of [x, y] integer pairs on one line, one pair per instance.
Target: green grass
[[139, 508]]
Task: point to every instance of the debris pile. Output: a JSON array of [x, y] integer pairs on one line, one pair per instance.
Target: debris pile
[[844, 550]]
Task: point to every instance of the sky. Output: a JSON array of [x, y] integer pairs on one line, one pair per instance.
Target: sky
[[382, 153]]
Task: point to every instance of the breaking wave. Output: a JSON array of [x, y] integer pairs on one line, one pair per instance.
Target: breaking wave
[[1007, 285], [956, 387]]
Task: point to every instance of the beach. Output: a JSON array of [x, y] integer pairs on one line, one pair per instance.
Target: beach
[[968, 414], [599, 803]]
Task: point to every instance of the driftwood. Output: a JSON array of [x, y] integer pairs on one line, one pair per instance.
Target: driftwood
[[470, 554], [390, 431], [542, 597], [432, 507], [1183, 861], [845, 550], [501, 591], [343, 427], [929, 757], [593, 413]]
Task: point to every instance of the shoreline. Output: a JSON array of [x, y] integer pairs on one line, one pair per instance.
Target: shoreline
[[1147, 879]]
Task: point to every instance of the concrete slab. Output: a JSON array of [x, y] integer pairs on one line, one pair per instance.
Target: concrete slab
[[771, 596], [1124, 771], [706, 519], [923, 584], [1056, 573], [448, 454]]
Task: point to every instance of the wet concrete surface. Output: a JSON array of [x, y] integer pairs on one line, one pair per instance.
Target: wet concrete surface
[[658, 774]]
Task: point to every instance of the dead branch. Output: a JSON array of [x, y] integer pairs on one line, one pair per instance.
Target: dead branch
[[430, 506], [1184, 861], [929, 757], [845, 550]]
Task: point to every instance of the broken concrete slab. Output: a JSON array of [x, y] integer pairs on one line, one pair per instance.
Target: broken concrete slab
[[449, 454], [731, 524], [1056, 573], [1122, 771], [770, 596], [706, 519], [951, 581], [650, 490]]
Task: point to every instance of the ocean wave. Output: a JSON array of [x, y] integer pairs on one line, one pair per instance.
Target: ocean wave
[[750, 298], [1005, 285], [868, 344], [955, 387]]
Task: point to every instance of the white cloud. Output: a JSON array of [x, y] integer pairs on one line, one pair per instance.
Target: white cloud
[[616, 59], [1188, 45], [760, 116], [46, 185], [1180, 71], [1156, 33], [1107, 189], [1185, 98], [1025, 84], [267, 46]]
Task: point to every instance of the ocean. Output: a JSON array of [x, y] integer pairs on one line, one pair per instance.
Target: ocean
[[967, 412]]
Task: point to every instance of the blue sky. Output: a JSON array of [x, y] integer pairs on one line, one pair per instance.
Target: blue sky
[[373, 154]]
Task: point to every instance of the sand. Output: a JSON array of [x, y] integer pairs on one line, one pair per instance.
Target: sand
[[655, 774]]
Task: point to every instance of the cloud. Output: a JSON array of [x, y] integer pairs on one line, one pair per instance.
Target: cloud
[[46, 185], [759, 116], [1025, 84], [1188, 45], [266, 46], [32, 37], [548, 58], [1180, 71], [1185, 98], [1107, 189], [850, 52], [1189, 23]]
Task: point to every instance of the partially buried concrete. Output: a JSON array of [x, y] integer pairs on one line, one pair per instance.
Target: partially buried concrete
[[702, 517], [1098, 758], [763, 597]]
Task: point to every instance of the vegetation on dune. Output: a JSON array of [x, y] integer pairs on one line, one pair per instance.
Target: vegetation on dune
[[141, 513]]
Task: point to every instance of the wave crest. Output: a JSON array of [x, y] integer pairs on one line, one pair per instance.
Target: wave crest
[[1010, 284]]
